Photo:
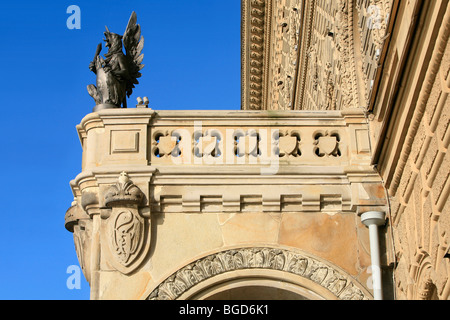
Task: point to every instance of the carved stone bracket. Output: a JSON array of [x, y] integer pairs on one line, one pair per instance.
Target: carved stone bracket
[[79, 223]]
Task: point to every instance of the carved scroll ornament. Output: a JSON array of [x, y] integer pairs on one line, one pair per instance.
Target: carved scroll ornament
[[123, 192]]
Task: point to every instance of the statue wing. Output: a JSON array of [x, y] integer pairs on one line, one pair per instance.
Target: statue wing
[[133, 43]]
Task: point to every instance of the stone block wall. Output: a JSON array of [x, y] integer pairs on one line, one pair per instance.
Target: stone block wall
[[420, 208], [414, 161]]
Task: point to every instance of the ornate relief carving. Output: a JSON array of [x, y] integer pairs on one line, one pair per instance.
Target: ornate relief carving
[[304, 56], [341, 285], [123, 192], [327, 69], [125, 227], [420, 185], [284, 54], [127, 234], [256, 56], [373, 24], [345, 49]]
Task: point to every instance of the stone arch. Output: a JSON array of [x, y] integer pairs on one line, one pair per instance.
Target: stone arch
[[263, 266], [257, 284]]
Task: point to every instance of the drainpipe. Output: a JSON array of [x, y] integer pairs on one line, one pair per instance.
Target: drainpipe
[[374, 219]]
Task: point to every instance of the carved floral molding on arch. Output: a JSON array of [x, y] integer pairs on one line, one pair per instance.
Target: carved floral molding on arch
[[335, 281]]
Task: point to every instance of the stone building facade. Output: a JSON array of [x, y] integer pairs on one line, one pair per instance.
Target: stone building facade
[[345, 112], [390, 59]]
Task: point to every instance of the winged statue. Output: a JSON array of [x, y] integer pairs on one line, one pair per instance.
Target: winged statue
[[117, 73]]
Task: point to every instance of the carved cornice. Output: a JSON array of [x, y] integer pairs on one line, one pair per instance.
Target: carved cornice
[[320, 272], [255, 19]]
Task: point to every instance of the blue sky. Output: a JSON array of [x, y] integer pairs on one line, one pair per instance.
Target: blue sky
[[192, 61]]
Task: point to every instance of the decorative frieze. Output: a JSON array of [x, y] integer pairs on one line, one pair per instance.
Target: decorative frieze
[[284, 50], [373, 26], [228, 145], [309, 53]]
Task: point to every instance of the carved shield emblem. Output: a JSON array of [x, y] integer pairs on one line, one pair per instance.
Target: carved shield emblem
[[166, 144], [247, 144], [287, 144], [327, 145], [208, 144], [127, 236]]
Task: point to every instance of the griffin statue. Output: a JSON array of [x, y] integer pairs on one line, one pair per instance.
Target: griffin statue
[[117, 73]]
